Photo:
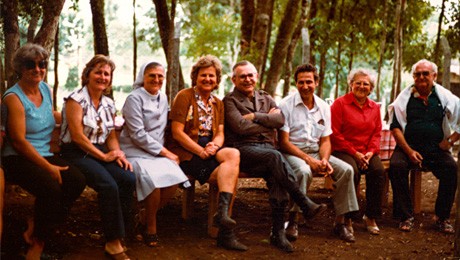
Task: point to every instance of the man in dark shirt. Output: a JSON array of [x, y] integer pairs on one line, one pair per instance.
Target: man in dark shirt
[[251, 120], [423, 117]]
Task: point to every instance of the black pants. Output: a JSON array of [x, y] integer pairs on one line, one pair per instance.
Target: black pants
[[374, 182], [443, 166], [263, 160], [52, 201]]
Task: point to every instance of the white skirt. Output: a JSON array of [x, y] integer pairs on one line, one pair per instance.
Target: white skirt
[[156, 172]]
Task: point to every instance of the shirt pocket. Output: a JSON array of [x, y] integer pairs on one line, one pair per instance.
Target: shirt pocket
[[318, 130]]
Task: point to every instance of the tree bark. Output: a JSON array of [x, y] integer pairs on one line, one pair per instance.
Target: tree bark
[[247, 21], [438, 36], [339, 56], [260, 29], [322, 72], [446, 64], [281, 45], [134, 41], [383, 41], [305, 46], [164, 25], [398, 42], [101, 45], [56, 65], [33, 23], [47, 32], [292, 47], [11, 33]]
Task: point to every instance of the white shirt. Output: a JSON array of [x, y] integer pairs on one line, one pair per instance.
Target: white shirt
[[305, 126]]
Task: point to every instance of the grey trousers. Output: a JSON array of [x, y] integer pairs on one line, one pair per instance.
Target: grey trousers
[[344, 197]]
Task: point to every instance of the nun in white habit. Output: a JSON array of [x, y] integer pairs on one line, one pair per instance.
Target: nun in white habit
[[157, 169]]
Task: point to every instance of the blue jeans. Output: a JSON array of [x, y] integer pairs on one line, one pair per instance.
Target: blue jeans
[[114, 186]]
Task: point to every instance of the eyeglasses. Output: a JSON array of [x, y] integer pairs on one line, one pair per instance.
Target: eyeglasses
[[420, 73], [30, 64], [364, 83], [244, 76]]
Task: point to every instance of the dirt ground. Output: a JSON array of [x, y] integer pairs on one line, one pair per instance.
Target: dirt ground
[[81, 237]]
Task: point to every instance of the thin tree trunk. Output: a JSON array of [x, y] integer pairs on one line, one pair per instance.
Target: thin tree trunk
[[247, 21], [11, 33], [267, 46], [172, 77], [339, 54], [292, 47], [33, 23], [101, 45], [322, 72], [134, 41], [396, 86], [260, 29], [447, 55], [47, 32], [383, 41], [56, 65], [438, 36], [281, 45]]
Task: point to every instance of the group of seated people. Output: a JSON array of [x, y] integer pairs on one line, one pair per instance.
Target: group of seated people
[[213, 140]]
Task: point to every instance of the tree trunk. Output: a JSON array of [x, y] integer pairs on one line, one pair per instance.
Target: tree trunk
[[313, 32], [322, 72], [164, 25], [339, 56], [101, 45], [396, 86], [283, 38], [305, 46], [33, 23], [134, 41], [260, 29], [56, 74], [292, 47], [247, 21], [438, 36], [11, 33], [446, 64], [47, 32], [383, 41], [267, 46]]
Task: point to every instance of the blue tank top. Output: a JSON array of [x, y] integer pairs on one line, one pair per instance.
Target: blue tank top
[[39, 121]]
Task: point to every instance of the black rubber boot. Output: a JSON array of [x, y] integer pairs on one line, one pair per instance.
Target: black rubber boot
[[221, 218], [278, 235], [227, 239], [309, 208]]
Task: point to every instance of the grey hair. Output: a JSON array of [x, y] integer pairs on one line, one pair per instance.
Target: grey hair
[[28, 51], [434, 67], [365, 72]]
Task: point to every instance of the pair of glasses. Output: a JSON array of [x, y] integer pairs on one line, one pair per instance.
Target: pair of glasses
[[420, 73], [99, 127], [364, 83], [244, 76], [30, 64]]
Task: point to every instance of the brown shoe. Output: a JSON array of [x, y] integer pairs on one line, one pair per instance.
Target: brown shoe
[[341, 230], [292, 231]]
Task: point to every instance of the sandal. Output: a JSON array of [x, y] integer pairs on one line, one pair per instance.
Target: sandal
[[406, 225], [444, 226], [151, 240], [373, 230]]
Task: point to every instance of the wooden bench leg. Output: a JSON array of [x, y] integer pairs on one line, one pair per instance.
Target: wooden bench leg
[[213, 200], [188, 197], [416, 189], [328, 183]]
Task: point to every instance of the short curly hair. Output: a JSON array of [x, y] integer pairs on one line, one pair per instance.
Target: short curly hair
[[91, 65], [362, 72], [206, 62], [28, 52], [306, 68]]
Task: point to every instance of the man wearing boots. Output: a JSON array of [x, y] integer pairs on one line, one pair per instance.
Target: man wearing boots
[[304, 139], [251, 120]]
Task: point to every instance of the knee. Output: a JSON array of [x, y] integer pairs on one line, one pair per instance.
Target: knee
[[231, 155]]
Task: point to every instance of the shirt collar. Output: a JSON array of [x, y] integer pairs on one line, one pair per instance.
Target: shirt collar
[[298, 101], [350, 99]]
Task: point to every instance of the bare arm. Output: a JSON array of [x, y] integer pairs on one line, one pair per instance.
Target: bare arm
[[16, 125]]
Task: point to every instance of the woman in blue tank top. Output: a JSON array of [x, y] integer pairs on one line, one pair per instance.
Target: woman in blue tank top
[[27, 159]]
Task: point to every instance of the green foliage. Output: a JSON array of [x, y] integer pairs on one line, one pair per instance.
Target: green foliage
[[72, 79], [149, 32], [453, 32], [123, 88], [211, 30]]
